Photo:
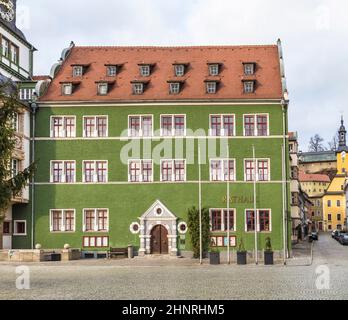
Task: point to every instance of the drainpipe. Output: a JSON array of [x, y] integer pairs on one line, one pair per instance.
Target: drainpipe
[[34, 108]]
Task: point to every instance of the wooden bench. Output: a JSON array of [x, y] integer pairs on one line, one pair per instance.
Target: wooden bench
[[118, 252]]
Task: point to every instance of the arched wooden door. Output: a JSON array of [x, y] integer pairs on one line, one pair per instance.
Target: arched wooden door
[[159, 240]]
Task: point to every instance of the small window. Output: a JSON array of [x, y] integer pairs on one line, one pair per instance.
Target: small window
[[67, 89], [102, 89], [179, 70], [174, 88], [5, 44], [214, 69], [249, 87], [14, 167], [20, 228], [7, 228], [77, 71], [138, 88], [249, 69], [211, 87], [145, 71], [14, 54], [15, 121], [111, 71]]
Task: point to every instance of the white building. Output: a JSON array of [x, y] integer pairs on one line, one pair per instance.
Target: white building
[[16, 63]]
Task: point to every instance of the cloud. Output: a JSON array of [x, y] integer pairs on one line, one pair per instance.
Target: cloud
[[314, 34]]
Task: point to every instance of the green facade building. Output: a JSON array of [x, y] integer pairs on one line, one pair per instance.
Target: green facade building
[[117, 137]]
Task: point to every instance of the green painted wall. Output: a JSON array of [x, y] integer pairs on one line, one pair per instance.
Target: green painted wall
[[127, 202]]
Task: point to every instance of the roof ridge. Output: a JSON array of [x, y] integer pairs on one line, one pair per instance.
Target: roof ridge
[[177, 47]]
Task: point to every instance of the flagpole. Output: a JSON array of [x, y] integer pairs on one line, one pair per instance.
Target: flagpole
[[200, 204], [256, 222], [228, 206]]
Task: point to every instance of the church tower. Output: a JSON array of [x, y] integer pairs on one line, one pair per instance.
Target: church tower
[[342, 156]]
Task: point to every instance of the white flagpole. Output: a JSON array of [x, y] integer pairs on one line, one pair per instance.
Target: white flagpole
[[256, 222], [228, 206], [284, 208], [200, 204]]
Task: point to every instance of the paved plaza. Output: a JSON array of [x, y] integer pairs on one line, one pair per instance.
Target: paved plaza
[[183, 279]]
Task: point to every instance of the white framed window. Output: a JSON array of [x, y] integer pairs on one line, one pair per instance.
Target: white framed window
[[173, 125], [67, 89], [95, 127], [25, 94], [211, 87], [174, 87], [62, 220], [95, 171], [103, 88], [77, 71], [222, 125], [63, 171], [249, 86], [249, 69], [14, 167], [219, 220], [95, 242], [263, 170], [140, 125], [19, 227], [14, 53], [145, 70], [179, 70], [111, 71], [173, 170], [95, 220], [63, 127], [138, 88], [140, 171], [214, 69], [5, 47], [264, 218], [256, 125], [222, 170]]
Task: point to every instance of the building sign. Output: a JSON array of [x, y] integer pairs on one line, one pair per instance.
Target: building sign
[[239, 199], [221, 241]]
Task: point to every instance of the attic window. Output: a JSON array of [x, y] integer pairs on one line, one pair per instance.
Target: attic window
[[77, 71], [103, 88], [249, 86], [249, 69], [145, 70], [174, 87], [111, 71], [179, 70], [67, 89], [214, 69], [138, 88], [211, 87]]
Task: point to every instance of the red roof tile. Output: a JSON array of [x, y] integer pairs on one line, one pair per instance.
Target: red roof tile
[[305, 177], [232, 72], [38, 78]]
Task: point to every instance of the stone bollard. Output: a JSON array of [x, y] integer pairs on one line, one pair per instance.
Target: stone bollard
[[130, 252]]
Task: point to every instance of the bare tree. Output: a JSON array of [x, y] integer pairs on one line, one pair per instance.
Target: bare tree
[[333, 144], [316, 144]]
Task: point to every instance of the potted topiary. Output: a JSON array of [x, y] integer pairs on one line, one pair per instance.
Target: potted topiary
[[214, 256], [268, 252], [241, 253]]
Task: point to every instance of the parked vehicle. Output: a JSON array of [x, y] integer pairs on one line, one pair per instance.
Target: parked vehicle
[[314, 236], [343, 239], [337, 234], [333, 233]]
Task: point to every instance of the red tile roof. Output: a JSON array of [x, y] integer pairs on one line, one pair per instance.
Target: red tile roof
[[38, 78], [306, 177], [268, 79]]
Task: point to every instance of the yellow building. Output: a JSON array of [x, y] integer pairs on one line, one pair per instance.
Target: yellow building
[[334, 200]]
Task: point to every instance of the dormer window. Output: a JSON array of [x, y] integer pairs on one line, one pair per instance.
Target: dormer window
[[67, 89], [211, 87], [138, 88], [249, 86], [111, 71], [103, 88], [179, 70], [249, 69], [145, 70], [214, 69], [77, 71], [174, 87]]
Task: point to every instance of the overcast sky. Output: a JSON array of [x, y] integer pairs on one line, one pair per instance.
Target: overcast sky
[[314, 35]]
